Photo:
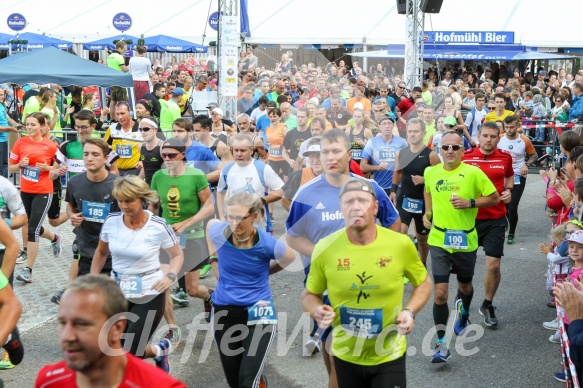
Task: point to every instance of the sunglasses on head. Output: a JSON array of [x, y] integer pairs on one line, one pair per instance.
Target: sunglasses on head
[[170, 155], [447, 147]]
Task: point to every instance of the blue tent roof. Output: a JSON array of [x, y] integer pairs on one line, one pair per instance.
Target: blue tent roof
[[59, 67], [164, 43], [466, 52], [35, 41], [107, 43]]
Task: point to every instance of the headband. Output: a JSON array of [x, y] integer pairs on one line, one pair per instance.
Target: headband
[[148, 121]]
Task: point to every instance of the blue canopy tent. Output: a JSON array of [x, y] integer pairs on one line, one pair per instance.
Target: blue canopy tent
[[164, 43], [107, 43], [59, 67], [465, 52], [35, 42]]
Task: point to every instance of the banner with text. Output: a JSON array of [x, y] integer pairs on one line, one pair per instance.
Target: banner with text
[[482, 37], [229, 52]]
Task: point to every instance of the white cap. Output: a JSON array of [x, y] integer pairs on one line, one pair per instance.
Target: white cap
[[312, 149], [359, 105], [218, 111]]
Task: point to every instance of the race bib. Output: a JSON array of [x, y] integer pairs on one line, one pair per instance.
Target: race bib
[[31, 174], [276, 152], [130, 285], [455, 239], [95, 211], [124, 151], [412, 205], [363, 323], [262, 313], [356, 153], [387, 155], [516, 179]]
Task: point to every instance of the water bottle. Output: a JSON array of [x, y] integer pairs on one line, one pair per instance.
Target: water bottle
[[183, 240]]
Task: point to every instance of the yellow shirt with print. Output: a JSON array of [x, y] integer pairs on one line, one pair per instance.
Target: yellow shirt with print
[[126, 145], [467, 182], [492, 117], [365, 287]]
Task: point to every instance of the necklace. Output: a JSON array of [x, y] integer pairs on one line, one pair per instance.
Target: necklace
[[244, 239]]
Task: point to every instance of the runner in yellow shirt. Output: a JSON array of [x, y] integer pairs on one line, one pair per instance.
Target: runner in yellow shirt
[[362, 267]]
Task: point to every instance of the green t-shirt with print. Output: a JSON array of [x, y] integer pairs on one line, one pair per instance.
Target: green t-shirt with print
[[179, 196]]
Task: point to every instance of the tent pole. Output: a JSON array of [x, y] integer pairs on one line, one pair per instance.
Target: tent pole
[[365, 59]]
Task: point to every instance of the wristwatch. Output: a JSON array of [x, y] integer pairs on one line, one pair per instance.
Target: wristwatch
[[171, 276], [410, 312], [472, 203], [508, 188]]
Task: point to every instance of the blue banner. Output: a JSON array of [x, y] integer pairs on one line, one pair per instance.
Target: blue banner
[[482, 37], [214, 21], [16, 22], [122, 22]]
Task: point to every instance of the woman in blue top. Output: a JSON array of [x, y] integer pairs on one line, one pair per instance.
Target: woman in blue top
[[246, 257]]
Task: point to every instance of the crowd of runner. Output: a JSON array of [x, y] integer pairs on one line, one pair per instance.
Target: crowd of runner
[[160, 196]]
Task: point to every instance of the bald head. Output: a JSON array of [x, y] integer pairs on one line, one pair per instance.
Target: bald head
[[286, 110]]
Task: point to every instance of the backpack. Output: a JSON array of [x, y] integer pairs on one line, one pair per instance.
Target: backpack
[[259, 166], [473, 113]]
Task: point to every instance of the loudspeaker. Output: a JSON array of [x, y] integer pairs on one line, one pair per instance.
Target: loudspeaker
[[402, 7], [431, 6]]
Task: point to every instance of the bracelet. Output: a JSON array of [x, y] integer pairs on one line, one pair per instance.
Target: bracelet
[[508, 188], [263, 201]]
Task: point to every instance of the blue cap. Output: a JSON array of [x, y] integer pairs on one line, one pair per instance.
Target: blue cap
[[178, 92]]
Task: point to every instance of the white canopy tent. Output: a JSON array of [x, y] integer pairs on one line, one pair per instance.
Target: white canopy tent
[[292, 22]]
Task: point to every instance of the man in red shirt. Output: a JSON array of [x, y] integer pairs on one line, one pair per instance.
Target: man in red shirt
[[92, 358], [491, 221]]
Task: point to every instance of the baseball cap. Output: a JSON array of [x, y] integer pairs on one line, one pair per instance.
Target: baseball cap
[[359, 105], [357, 184], [387, 116], [212, 105], [576, 236], [175, 143], [213, 81], [313, 149], [178, 92], [450, 120], [542, 72], [218, 111]]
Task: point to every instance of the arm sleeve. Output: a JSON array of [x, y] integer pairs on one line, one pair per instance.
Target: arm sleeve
[[15, 153], [107, 228], [272, 180], [279, 249], [469, 119], [509, 171], [316, 282], [296, 223], [292, 185], [200, 180], [529, 147], [414, 268], [222, 185], [485, 185]]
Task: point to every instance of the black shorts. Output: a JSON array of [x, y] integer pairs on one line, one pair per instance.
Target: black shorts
[[281, 167], [55, 207], [85, 265], [443, 263], [195, 255], [388, 374], [491, 234], [118, 93], [407, 217]]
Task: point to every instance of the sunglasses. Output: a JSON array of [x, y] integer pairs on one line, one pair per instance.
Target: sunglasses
[[401, 87], [447, 147], [237, 218], [145, 129], [170, 155]]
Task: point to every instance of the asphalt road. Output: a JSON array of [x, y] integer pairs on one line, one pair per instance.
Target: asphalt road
[[517, 354]]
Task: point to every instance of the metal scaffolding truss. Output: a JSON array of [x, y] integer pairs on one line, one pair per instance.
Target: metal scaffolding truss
[[414, 47]]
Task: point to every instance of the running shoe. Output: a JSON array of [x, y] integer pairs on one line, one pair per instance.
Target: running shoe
[[208, 304], [511, 239], [560, 376], [180, 298], [22, 257], [14, 347], [5, 362], [552, 325], [174, 335], [263, 382], [489, 314], [555, 338], [204, 271], [313, 345], [56, 299], [441, 354], [57, 246], [25, 275], [163, 361], [461, 320]]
